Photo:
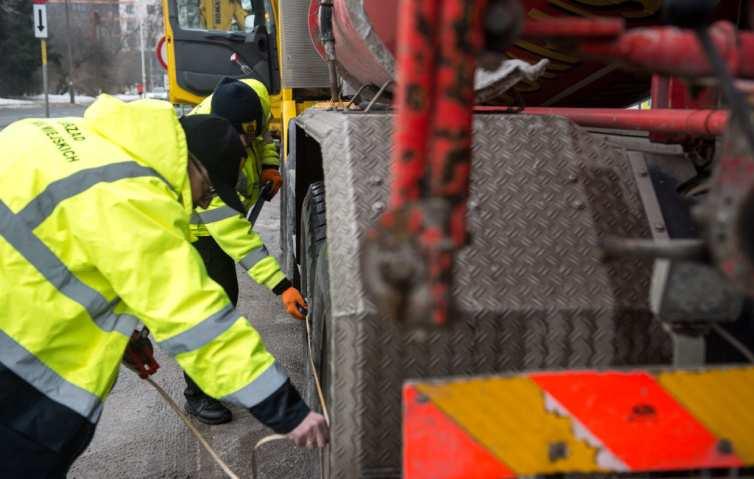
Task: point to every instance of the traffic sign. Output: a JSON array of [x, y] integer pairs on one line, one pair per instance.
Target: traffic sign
[[161, 51], [40, 20]]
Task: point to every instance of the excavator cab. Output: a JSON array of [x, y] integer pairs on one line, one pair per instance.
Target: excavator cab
[[202, 35]]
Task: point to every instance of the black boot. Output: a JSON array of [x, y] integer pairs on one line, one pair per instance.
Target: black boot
[[204, 408]]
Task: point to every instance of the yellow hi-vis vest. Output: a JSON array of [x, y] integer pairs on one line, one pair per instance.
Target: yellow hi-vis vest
[[230, 230], [94, 217], [219, 14]]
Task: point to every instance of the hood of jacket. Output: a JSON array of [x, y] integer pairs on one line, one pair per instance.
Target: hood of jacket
[[149, 131], [264, 99]]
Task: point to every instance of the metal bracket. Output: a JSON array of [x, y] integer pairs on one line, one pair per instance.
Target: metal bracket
[[685, 295], [689, 349]]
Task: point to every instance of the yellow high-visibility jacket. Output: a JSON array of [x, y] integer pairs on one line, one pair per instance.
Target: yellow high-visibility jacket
[[94, 233], [230, 230], [219, 14]]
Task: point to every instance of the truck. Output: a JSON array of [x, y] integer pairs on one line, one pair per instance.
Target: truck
[[511, 269]]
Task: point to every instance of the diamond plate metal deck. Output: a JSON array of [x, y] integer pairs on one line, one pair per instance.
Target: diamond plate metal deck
[[531, 289]]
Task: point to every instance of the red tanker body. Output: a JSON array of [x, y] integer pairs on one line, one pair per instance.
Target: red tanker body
[[365, 34]]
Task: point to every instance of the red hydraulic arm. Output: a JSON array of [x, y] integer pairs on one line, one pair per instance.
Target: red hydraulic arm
[[664, 50], [414, 97], [719, 53], [677, 122], [409, 254], [675, 51], [669, 51], [575, 28]]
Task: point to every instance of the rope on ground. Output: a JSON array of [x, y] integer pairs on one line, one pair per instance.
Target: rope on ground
[[314, 371], [267, 439], [277, 437], [194, 430], [261, 442]]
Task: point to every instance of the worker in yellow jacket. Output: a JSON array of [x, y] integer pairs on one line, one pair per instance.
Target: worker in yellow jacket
[[220, 14], [223, 237], [94, 239]]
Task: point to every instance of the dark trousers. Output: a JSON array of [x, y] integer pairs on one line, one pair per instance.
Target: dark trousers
[[222, 269], [21, 457], [39, 438]]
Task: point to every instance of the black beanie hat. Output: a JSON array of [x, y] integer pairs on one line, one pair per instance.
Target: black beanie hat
[[237, 102], [217, 146]]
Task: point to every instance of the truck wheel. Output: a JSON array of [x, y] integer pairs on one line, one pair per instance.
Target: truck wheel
[[315, 279], [313, 232], [319, 318]]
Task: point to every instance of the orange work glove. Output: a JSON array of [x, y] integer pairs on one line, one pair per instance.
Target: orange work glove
[[139, 355], [272, 175], [294, 303]]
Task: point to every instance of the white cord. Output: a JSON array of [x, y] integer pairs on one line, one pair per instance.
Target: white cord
[[267, 439], [314, 371], [194, 430]]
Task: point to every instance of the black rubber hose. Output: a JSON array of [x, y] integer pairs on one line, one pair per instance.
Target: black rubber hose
[[328, 41], [325, 21]]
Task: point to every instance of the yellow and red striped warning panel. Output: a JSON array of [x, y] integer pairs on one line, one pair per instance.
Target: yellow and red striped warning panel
[[578, 422]]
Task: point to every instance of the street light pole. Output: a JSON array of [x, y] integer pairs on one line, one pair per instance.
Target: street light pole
[[141, 47], [70, 55]]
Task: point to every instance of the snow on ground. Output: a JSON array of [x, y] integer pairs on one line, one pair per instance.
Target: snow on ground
[[57, 99], [14, 102], [64, 98], [37, 99], [126, 97]]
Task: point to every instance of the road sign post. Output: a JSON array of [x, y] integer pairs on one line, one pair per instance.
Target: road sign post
[[44, 77], [40, 31]]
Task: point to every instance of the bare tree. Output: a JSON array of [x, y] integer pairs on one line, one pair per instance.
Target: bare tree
[[150, 20], [105, 49]]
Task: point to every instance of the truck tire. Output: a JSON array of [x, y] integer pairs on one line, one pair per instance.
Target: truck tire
[[315, 282], [319, 317], [313, 233]]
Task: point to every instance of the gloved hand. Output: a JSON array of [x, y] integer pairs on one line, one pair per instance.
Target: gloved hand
[[272, 175], [139, 355], [312, 432], [294, 303]]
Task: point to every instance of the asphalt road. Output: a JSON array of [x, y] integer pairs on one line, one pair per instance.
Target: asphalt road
[[139, 436]]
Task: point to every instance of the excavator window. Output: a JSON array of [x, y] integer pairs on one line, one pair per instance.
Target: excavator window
[[216, 15], [203, 35]]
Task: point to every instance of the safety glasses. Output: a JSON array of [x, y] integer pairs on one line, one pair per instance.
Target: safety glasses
[[209, 190]]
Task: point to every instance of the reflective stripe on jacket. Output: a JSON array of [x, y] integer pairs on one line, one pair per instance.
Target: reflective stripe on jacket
[[229, 229], [94, 217], [234, 235]]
